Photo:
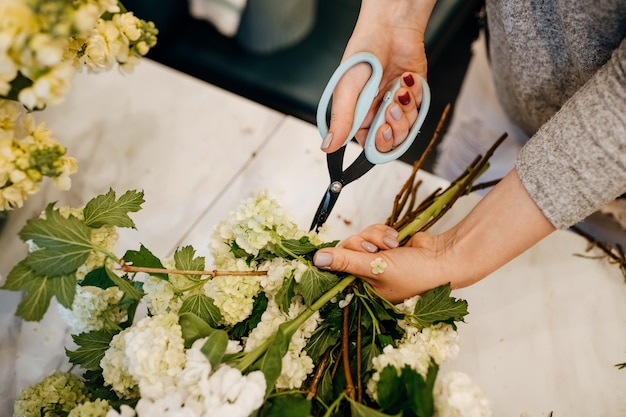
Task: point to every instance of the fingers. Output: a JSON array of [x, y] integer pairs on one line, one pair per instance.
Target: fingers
[[372, 239], [400, 115], [344, 101]]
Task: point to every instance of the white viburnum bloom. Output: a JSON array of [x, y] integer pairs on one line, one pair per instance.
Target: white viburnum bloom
[[202, 390], [415, 349], [233, 295], [456, 395], [125, 411], [96, 408], [257, 222], [378, 266], [105, 237], [278, 269], [296, 364], [148, 356], [94, 309]]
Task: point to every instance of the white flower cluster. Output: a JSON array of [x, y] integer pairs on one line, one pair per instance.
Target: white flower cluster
[[199, 390], [27, 154], [257, 222], [415, 350], [456, 395], [94, 309], [43, 41], [146, 357], [296, 364]]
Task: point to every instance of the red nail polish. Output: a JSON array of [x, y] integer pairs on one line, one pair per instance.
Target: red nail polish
[[408, 80], [404, 98]]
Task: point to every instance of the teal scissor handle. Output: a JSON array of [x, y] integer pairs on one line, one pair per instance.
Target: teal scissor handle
[[363, 104]]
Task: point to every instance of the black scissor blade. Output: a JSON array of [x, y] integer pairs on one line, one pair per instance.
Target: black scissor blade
[[323, 211]]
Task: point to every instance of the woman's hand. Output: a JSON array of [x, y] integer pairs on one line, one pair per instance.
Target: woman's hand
[[393, 30], [411, 269]]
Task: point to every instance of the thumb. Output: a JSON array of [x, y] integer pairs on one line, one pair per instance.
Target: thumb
[[345, 260]]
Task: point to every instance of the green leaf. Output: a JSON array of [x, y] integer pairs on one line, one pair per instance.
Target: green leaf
[[203, 307], [57, 232], [437, 306], [323, 338], [39, 290], [271, 362], [97, 278], [287, 247], [58, 261], [407, 393], [314, 283], [361, 410], [143, 257], [104, 209], [193, 328], [215, 347], [284, 296], [291, 405], [245, 327], [184, 259], [124, 284], [91, 348]]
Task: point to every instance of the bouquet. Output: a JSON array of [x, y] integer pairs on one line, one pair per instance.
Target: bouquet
[[42, 44], [262, 333]]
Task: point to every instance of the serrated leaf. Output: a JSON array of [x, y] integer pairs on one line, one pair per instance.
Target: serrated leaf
[[215, 347], [301, 246], [19, 277], [91, 348], [97, 278], [361, 410], [56, 231], [245, 327], [39, 290], [143, 257], [285, 294], [407, 392], [437, 306], [314, 283], [203, 307], [290, 406], [193, 328], [322, 338], [125, 285], [105, 209], [184, 259], [58, 261]]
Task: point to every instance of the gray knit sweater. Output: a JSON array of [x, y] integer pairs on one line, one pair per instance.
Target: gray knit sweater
[[560, 72]]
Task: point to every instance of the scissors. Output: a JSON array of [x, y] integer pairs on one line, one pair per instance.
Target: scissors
[[370, 156]]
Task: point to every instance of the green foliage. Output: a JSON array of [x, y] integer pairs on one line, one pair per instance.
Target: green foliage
[[193, 328], [184, 259], [284, 296], [314, 283], [203, 307], [91, 348], [436, 306], [245, 327], [215, 347], [288, 405], [408, 393], [105, 209], [144, 258]]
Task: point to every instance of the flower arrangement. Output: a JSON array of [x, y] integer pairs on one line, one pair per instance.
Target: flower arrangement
[[42, 44], [263, 333]]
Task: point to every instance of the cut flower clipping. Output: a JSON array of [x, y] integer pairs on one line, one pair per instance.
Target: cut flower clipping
[[262, 332]]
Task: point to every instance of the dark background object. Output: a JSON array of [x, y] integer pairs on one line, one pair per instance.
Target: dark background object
[[292, 80]]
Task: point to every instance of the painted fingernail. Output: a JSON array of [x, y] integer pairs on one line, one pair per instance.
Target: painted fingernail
[[326, 141], [392, 243], [387, 134], [408, 80], [368, 246], [405, 98], [396, 112], [322, 259], [392, 233]]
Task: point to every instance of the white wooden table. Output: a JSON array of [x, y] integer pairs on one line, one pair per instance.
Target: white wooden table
[[543, 334]]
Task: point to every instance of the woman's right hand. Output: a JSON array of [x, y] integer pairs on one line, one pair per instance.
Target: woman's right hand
[[393, 30]]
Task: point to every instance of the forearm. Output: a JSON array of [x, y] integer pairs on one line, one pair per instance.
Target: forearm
[[504, 224]]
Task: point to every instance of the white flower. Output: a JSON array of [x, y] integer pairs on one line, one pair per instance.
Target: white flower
[[96, 408], [150, 355], [233, 295], [415, 349], [296, 364], [456, 395], [378, 266], [93, 309]]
